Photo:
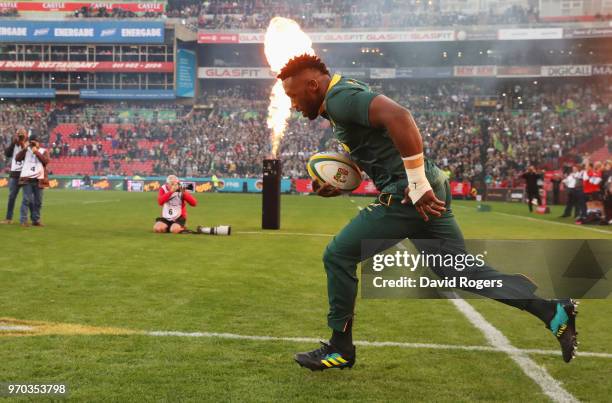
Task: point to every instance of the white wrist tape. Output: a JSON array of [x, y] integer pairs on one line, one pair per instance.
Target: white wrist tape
[[415, 174]]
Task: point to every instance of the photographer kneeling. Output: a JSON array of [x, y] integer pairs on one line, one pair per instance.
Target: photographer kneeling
[[173, 198]]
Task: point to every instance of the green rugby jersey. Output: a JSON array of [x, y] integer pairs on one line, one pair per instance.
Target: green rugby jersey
[[346, 106]]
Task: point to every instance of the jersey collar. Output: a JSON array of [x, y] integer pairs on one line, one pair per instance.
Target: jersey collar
[[333, 82]]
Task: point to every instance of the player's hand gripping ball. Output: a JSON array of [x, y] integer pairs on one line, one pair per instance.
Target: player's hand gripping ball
[[333, 169]]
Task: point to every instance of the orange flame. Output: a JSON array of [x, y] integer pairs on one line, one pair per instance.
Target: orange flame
[[284, 40]]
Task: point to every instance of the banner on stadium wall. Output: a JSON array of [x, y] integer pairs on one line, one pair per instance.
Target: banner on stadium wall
[[68, 182], [185, 73], [231, 185], [477, 34], [153, 184], [514, 34], [424, 72], [60, 183], [285, 185], [354, 73], [379, 73], [336, 37], [301, 185], [135, 186], [256, 185], [218, 38], [587, 32], [236, 73], [475, 71], [405, 72], [92, 67], [460, 189], [124, 31], [96, 184], [497, 194], [199, 185], [602, 70], [27, 93], [519, 71], [143, 7], [516, 194], [127, 94], [567, 71], [224, 185], [365, 188], [505, 194], [243, 73]]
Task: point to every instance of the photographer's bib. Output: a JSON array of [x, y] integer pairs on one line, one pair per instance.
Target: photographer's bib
[[16, 165], [32, 167], [173, 207]]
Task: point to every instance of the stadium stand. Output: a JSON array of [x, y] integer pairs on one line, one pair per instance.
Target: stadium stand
[[347, 14], [339, 14], [556, 125]]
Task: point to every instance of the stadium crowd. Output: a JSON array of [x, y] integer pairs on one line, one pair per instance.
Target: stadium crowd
[[225, 135], [319, 14], [36, 117], [9, 13], [114, 13], [219, 14], [541, 125], [544, 128]]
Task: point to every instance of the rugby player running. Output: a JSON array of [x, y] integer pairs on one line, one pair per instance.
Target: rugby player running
[[414, 202]]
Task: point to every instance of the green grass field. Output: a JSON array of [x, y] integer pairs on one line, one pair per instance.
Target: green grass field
[[97, 265]]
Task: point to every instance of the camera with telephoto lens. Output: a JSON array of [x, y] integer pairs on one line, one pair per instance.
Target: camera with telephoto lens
[[218, 230], [187, 186]]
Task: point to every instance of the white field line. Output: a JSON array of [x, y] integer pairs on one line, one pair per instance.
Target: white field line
[[574, 226], [584, 227], [18, 328], [433, 346], [550, 386], [399, 344]]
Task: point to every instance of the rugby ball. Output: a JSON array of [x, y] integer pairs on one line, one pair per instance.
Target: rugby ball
[[334, 168]]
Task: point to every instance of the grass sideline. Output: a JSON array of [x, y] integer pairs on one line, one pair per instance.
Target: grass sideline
[[98, 264]]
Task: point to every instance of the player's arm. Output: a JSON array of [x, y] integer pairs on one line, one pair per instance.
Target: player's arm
[[383, 112]]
